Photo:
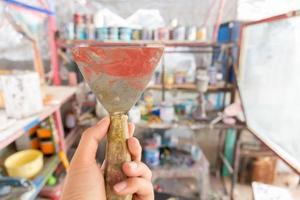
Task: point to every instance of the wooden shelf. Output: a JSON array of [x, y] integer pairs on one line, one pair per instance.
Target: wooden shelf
[[169, 43], [193, 125], [191, 86], [19, 127]]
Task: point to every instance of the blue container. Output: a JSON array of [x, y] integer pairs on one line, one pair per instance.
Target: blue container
[[125, 34], [102, 33], [228, 32], [151, 156], [81, 33], [113, 33]]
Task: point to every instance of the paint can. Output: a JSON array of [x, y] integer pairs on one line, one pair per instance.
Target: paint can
[[70, 31], [178, 33], [212, 73], [113, 33], [102, 33], [180, 109], [151, 155], [76, 18], [180, 77], [147, 34], [191, 33], [162, 34], [90, 28], [136, 34], [169, 79], [157, 138], [81, 33], [125, 34], [167, 113], [189, 106], [81, 28], [158, 77], [47, 147], [201, 34]]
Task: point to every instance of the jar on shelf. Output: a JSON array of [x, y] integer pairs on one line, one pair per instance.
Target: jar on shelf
[[191, 33], [167, 112], [148, 98], [125, 34], [101, 33], [169, 79], [113, 33], [136, 34], [180, 77]]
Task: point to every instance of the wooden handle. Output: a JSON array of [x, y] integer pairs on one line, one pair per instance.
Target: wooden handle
[[116, 154]]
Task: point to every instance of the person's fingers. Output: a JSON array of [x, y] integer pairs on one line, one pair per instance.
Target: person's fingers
[[103, 165], [137, 169], [87, 148], [131, 128], [138, 186], [134, 148]]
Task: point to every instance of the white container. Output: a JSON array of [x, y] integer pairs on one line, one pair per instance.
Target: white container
[[22, 94], [135, 114], [167, 112]]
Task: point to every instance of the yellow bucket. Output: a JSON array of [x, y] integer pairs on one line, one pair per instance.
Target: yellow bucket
[[24, 164]]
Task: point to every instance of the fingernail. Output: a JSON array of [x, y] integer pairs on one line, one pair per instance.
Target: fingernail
[[120, 186], [133, 165]]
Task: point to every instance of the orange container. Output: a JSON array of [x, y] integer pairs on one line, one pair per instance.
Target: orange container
[[35, 143], [264, 170], [44, 133], [47, 147], [33, 130]]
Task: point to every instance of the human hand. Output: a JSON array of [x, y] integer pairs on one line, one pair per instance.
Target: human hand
[[85, 178]]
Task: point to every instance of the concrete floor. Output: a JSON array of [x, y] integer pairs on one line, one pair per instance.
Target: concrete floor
[[207, 139], [244, 191]]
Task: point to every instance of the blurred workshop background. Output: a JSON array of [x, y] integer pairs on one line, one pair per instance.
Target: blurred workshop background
[[205, 120]]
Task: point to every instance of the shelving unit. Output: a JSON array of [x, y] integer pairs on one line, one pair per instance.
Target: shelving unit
[[39, 182], [199, 170], [168, 43], [171, 47], [191, 87], [58, 95], [193, 125]]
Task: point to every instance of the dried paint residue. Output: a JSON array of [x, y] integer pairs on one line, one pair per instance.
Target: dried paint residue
[[119, 61]]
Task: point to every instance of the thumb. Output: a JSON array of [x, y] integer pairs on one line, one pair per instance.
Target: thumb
[[87, 148]]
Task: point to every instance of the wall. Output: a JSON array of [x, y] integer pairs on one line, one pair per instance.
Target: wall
[[258, 9]]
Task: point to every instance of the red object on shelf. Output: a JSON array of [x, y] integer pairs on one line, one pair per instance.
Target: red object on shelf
[[76, 18], [52, 192], [60, 129], [53, 49]]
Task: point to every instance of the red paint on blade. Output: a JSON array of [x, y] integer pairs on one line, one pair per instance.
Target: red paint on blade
[[88, 72], [119, 61]]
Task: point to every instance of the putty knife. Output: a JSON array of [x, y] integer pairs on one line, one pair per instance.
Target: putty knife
[[117, 76]]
